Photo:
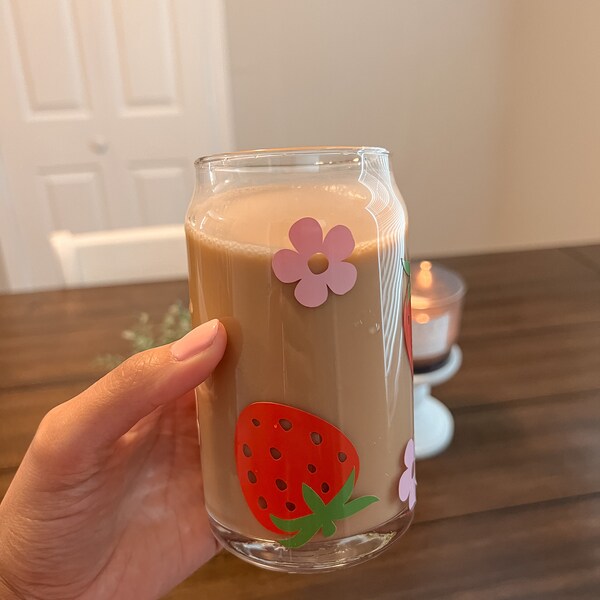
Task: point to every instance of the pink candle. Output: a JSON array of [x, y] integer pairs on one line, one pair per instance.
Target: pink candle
[[436, 303]]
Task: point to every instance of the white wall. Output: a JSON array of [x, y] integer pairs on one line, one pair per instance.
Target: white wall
[[3, 275], [489, 108], [551, 182]]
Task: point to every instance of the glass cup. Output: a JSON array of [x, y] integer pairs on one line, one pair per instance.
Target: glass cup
[[306, 426]]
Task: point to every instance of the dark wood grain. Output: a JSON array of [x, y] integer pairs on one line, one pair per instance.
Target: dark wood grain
[[30, 360], [502, 309], [587, 255], [510, 510], [54, 337], [509, 455], [516, 269], [55, 311], [513, 366]]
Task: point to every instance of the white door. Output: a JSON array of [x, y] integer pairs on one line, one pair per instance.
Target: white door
[[104, 105]]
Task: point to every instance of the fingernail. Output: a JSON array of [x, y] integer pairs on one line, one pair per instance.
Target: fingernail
[[196, 340]]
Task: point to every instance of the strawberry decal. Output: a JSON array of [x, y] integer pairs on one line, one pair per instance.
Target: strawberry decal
[[407, 316], [296, 470]]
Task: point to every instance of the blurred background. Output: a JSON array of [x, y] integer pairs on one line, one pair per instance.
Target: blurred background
[[491, 109]]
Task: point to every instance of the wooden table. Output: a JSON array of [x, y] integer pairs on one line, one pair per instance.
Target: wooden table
[[511, 510]]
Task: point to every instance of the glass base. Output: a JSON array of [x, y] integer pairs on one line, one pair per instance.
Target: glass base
[[315, 557]]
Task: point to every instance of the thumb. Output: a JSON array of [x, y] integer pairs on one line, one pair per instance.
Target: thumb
[[108, 409]]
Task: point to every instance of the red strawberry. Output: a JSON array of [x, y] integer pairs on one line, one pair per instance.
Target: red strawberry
[[296, 470], [407, 316], [407, 324]]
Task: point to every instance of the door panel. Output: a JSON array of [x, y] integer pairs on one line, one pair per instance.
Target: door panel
[[76, 201], [50, 68], [162, 194], [147, 52]]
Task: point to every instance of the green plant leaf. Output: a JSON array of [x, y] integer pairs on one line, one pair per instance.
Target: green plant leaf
[[143, 334]]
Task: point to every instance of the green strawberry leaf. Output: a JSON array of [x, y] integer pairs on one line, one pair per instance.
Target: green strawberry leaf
[[312, 499], [292, 525], [301, 538], [328, 529], [406, 266], [323, 515], [356, 505], [345, 492]]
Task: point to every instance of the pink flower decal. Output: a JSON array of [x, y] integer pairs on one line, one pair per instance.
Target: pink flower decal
[[408, 481], [337, 275]]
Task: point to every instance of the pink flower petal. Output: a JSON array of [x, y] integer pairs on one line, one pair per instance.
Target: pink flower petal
[[311, 291], [307, 236], [289, 266], [341, 277], [338, 243], [412, 497], [409, 453], [405, 486]]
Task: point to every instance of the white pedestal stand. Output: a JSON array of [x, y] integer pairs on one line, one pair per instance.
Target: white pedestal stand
[[434, 425]]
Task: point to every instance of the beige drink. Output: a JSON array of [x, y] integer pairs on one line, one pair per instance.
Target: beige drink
[[327, 360]]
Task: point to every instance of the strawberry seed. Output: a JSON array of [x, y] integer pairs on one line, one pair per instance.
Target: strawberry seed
[[281, 484], [342, 456], [251, 477], [324, 487], [312, 468], [246, 450], [285, 424], [316, 438], [290, 506], [255, 422], [275, 453], [262, 503]]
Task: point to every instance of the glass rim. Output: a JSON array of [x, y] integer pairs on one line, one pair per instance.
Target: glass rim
[[225, 157]]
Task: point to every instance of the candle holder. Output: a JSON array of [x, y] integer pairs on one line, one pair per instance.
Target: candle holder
[[434, 424], [437, 295]]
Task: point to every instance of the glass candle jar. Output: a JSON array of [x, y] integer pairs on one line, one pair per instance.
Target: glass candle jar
[[306, 426], [437, 296]]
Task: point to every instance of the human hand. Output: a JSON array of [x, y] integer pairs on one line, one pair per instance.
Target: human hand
[[108, 501]]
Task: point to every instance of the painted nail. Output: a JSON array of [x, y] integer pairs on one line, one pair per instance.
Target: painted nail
[[196, 340]]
